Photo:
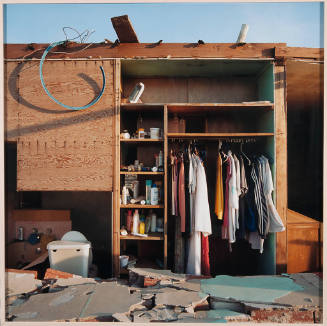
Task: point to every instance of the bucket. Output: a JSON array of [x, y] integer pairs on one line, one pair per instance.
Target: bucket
[[155, 133], [123, 261]]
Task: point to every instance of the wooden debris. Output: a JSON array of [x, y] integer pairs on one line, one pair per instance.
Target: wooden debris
[[124, 29]]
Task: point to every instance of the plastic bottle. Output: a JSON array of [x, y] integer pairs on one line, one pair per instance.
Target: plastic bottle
[[153, 222], [142, 225], [160, 159], [148, 221], [148, 184], [154, 195], [124, 195], [129, 221], [136, 221]]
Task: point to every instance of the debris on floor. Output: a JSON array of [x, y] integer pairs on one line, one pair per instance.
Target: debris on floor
[[294, 298]]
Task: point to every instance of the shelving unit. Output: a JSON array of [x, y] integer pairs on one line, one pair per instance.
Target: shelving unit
[[142, 150], [218, 99]]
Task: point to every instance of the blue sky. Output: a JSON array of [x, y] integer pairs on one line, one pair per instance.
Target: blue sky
[[294, 23]]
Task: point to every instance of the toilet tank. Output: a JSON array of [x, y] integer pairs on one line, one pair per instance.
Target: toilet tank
[[69, 256]]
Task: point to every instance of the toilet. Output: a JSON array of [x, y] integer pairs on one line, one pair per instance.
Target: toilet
[[71, 254]]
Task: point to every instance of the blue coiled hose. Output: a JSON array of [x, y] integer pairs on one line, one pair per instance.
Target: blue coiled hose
[[51, 46]]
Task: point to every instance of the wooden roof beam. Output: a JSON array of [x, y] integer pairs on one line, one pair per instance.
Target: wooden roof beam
[[124, 29]]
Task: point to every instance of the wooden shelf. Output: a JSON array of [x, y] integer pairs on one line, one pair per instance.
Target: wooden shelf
[[141, 106], [145, 140], [151, 236], [142, 172], [141, 206], [221, 134], [214, 107]]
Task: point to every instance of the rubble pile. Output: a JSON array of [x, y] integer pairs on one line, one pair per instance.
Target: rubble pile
[[161, 296]]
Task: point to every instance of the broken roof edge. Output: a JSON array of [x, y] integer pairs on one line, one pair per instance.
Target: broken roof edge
[[164, 50]]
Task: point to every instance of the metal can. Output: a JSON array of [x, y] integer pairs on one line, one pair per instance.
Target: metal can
[[20, 233]]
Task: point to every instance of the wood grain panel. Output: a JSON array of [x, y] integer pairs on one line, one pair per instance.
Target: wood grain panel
[[299, 52], [72, 83], [41, 215], [61, 149], [303, 248], [281, 164], [54, 166]]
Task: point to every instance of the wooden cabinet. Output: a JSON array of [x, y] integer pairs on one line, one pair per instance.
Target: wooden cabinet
[[207, 101], [304, 243]]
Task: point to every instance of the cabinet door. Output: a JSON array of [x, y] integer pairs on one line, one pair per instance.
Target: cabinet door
[[57, 148]]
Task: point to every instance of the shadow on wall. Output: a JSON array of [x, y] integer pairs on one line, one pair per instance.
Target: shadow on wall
[[90, 215]]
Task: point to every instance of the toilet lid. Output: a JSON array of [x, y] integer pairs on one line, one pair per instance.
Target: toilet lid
[[54, 245], [74, 236]]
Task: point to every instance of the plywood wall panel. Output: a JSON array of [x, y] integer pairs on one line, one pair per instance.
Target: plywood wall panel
[[57, 148]]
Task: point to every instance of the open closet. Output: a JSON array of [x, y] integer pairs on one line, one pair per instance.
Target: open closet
[[210, 105]]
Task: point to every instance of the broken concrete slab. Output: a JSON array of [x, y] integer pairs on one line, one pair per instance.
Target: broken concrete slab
[[311, 296], [74, 281], [122, 317], [180, 298], [262, 289], [63, 305], [110, 298], [149, 276], [18, 283]]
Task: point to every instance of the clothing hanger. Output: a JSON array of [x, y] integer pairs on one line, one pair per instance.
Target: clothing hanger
[[249, 161]]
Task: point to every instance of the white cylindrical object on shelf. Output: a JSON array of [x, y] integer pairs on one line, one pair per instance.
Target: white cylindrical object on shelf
[[136, 221], [153, 222], [154, 133], [124, 195], [136, 93], [154, 195]]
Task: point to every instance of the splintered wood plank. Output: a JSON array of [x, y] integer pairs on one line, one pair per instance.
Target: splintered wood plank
[[281, 165], [124, 29]]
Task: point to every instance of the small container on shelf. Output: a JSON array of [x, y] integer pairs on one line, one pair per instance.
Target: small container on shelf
[[155, 133], [148, 184], [154, 195]]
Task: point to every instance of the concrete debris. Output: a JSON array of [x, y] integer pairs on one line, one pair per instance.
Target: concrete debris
[[63, 305], [149, 276], [121, 317], [263, 289], [18, 283], [110, 298], [179, 298], [222, 299], [311, 296], [74, 281]]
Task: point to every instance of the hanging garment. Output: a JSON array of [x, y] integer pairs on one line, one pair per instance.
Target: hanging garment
[[260, 199], [242, 200], [224, 227], [174, 178], [219, 196], [276, 223], [205, 261], [175, 185], [202, 220], [232, 202], [238, 188], [181, 195]]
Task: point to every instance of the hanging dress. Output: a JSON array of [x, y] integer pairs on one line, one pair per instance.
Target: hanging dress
[[202, 220], [219, 196]]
